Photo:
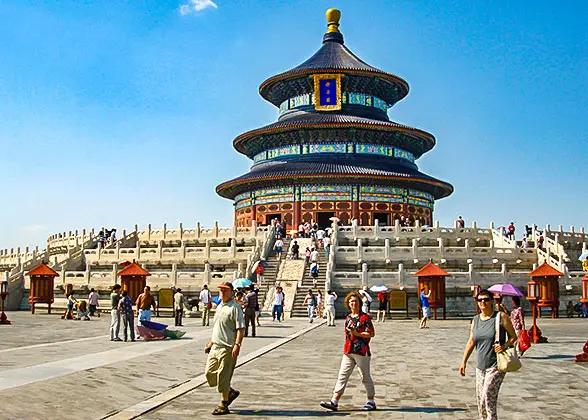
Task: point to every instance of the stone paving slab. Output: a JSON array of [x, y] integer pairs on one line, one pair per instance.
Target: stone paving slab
[[118, 381], [416, 375]]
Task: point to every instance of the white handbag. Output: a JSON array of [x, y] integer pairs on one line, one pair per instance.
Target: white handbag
[[508, 360]]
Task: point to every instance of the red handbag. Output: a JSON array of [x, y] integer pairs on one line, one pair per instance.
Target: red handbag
[[524, 340]]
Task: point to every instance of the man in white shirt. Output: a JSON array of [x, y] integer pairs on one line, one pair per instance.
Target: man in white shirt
[[327, 246], [206, 300], [330, 307], [314, 255], [178, 307], [93, 302]]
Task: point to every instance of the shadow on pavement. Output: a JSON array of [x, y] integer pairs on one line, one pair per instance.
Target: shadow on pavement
[[551, 356], [290, 413]]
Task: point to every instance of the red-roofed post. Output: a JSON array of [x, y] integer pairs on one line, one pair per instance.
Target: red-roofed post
[[42, 285]]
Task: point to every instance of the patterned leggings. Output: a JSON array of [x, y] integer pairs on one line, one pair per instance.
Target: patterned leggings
[[488, 383]]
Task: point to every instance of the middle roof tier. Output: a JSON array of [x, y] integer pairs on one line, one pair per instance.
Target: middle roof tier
[[310, 128]]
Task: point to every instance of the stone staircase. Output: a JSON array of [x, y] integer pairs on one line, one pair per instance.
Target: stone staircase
[[299, 310]]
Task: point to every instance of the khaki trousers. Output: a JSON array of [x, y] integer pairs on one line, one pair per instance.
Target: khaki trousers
[[348, 362], [330, 310], [220, 366], [205, 315]]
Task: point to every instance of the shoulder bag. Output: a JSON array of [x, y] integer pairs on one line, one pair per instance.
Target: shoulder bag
[[508, 360]]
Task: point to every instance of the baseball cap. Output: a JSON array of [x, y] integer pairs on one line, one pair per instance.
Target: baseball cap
[[226, 285]]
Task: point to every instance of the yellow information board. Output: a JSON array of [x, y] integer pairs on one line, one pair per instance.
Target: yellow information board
[[398, 301], [165, 299]]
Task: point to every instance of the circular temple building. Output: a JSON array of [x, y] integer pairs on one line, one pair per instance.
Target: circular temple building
[[333, 151]]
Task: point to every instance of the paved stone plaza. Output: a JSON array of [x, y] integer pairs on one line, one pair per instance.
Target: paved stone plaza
[[55, 369]]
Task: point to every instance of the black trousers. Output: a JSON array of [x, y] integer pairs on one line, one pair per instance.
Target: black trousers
[[179, 315], [250, 318]]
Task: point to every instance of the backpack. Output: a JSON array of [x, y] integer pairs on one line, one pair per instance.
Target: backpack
[[314, 270]]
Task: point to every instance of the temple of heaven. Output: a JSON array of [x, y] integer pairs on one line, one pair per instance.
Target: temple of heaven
[[333, 151]]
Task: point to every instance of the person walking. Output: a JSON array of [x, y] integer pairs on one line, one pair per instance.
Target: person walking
[[93, 302], [327, 246], [224, 347], [359, 330], [178, 307], [206, 300], [314, 255], [125, 307], [330, 307], [277, 302], [307, 256], [259, 270], [382, 306], [250, 305], [115, 313], [310, 302], [483, 339], [144, 303], [279, 248], [314, 272], [517, 318], [319, 304], [425, 307]]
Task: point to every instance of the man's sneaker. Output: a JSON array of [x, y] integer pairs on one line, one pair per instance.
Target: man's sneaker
[[329, 405], [233, 395], [369, 406]]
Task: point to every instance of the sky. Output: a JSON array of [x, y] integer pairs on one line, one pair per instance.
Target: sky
[[116, 113]]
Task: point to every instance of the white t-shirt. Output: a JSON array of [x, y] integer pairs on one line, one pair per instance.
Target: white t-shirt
[[205, 296], [330, 300], [314, 255], [320, 234], [279, 243], [326, 241], [93, 298], [278, 299]]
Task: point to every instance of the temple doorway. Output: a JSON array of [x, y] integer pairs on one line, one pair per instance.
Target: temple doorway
[[382, 218], [270, 217], [324, 218]]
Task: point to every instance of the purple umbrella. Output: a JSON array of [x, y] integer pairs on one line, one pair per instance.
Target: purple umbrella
[[505, 290]]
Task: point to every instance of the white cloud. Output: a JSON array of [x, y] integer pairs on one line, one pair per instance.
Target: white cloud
[[195, 6]]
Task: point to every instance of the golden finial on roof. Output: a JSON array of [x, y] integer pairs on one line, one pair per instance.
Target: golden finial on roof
[[333, 17]]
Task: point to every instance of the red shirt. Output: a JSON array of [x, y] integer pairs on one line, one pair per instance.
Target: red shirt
[[354, 344]]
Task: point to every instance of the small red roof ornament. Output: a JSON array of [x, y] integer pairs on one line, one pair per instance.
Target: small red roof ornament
[[545, 270], [42, 270], [133, 269], [431, 270]]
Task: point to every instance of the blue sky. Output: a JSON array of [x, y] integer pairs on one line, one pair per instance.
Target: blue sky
[[115, 113]]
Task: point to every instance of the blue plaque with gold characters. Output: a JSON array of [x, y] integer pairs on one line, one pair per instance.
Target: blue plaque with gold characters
[[327, 92]]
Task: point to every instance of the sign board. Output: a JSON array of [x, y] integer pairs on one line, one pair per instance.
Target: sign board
[[398, 301], [165, 299]]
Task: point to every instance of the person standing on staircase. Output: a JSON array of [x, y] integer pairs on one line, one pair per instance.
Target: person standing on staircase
[[327, 246], [314, 272], [206, 300], [279, 247]]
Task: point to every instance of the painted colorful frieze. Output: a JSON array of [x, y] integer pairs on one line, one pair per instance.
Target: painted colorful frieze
[[347, 147], [351, 98]]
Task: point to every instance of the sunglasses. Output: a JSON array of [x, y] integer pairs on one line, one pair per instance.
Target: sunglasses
[[483, 300]]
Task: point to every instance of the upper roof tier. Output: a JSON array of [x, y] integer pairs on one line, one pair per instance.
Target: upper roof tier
[[334, 56]]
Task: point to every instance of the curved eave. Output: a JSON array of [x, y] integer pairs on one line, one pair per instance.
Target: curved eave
[[267, 87], [240, 146], [230, 189]]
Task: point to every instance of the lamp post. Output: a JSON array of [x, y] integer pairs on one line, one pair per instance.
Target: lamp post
[[3, 293], [533, 297]]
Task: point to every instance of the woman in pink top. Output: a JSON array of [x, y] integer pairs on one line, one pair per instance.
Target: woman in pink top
[[516, 316]]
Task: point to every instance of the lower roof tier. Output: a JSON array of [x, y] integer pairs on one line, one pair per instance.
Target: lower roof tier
[[315, 128], [303, 172]]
